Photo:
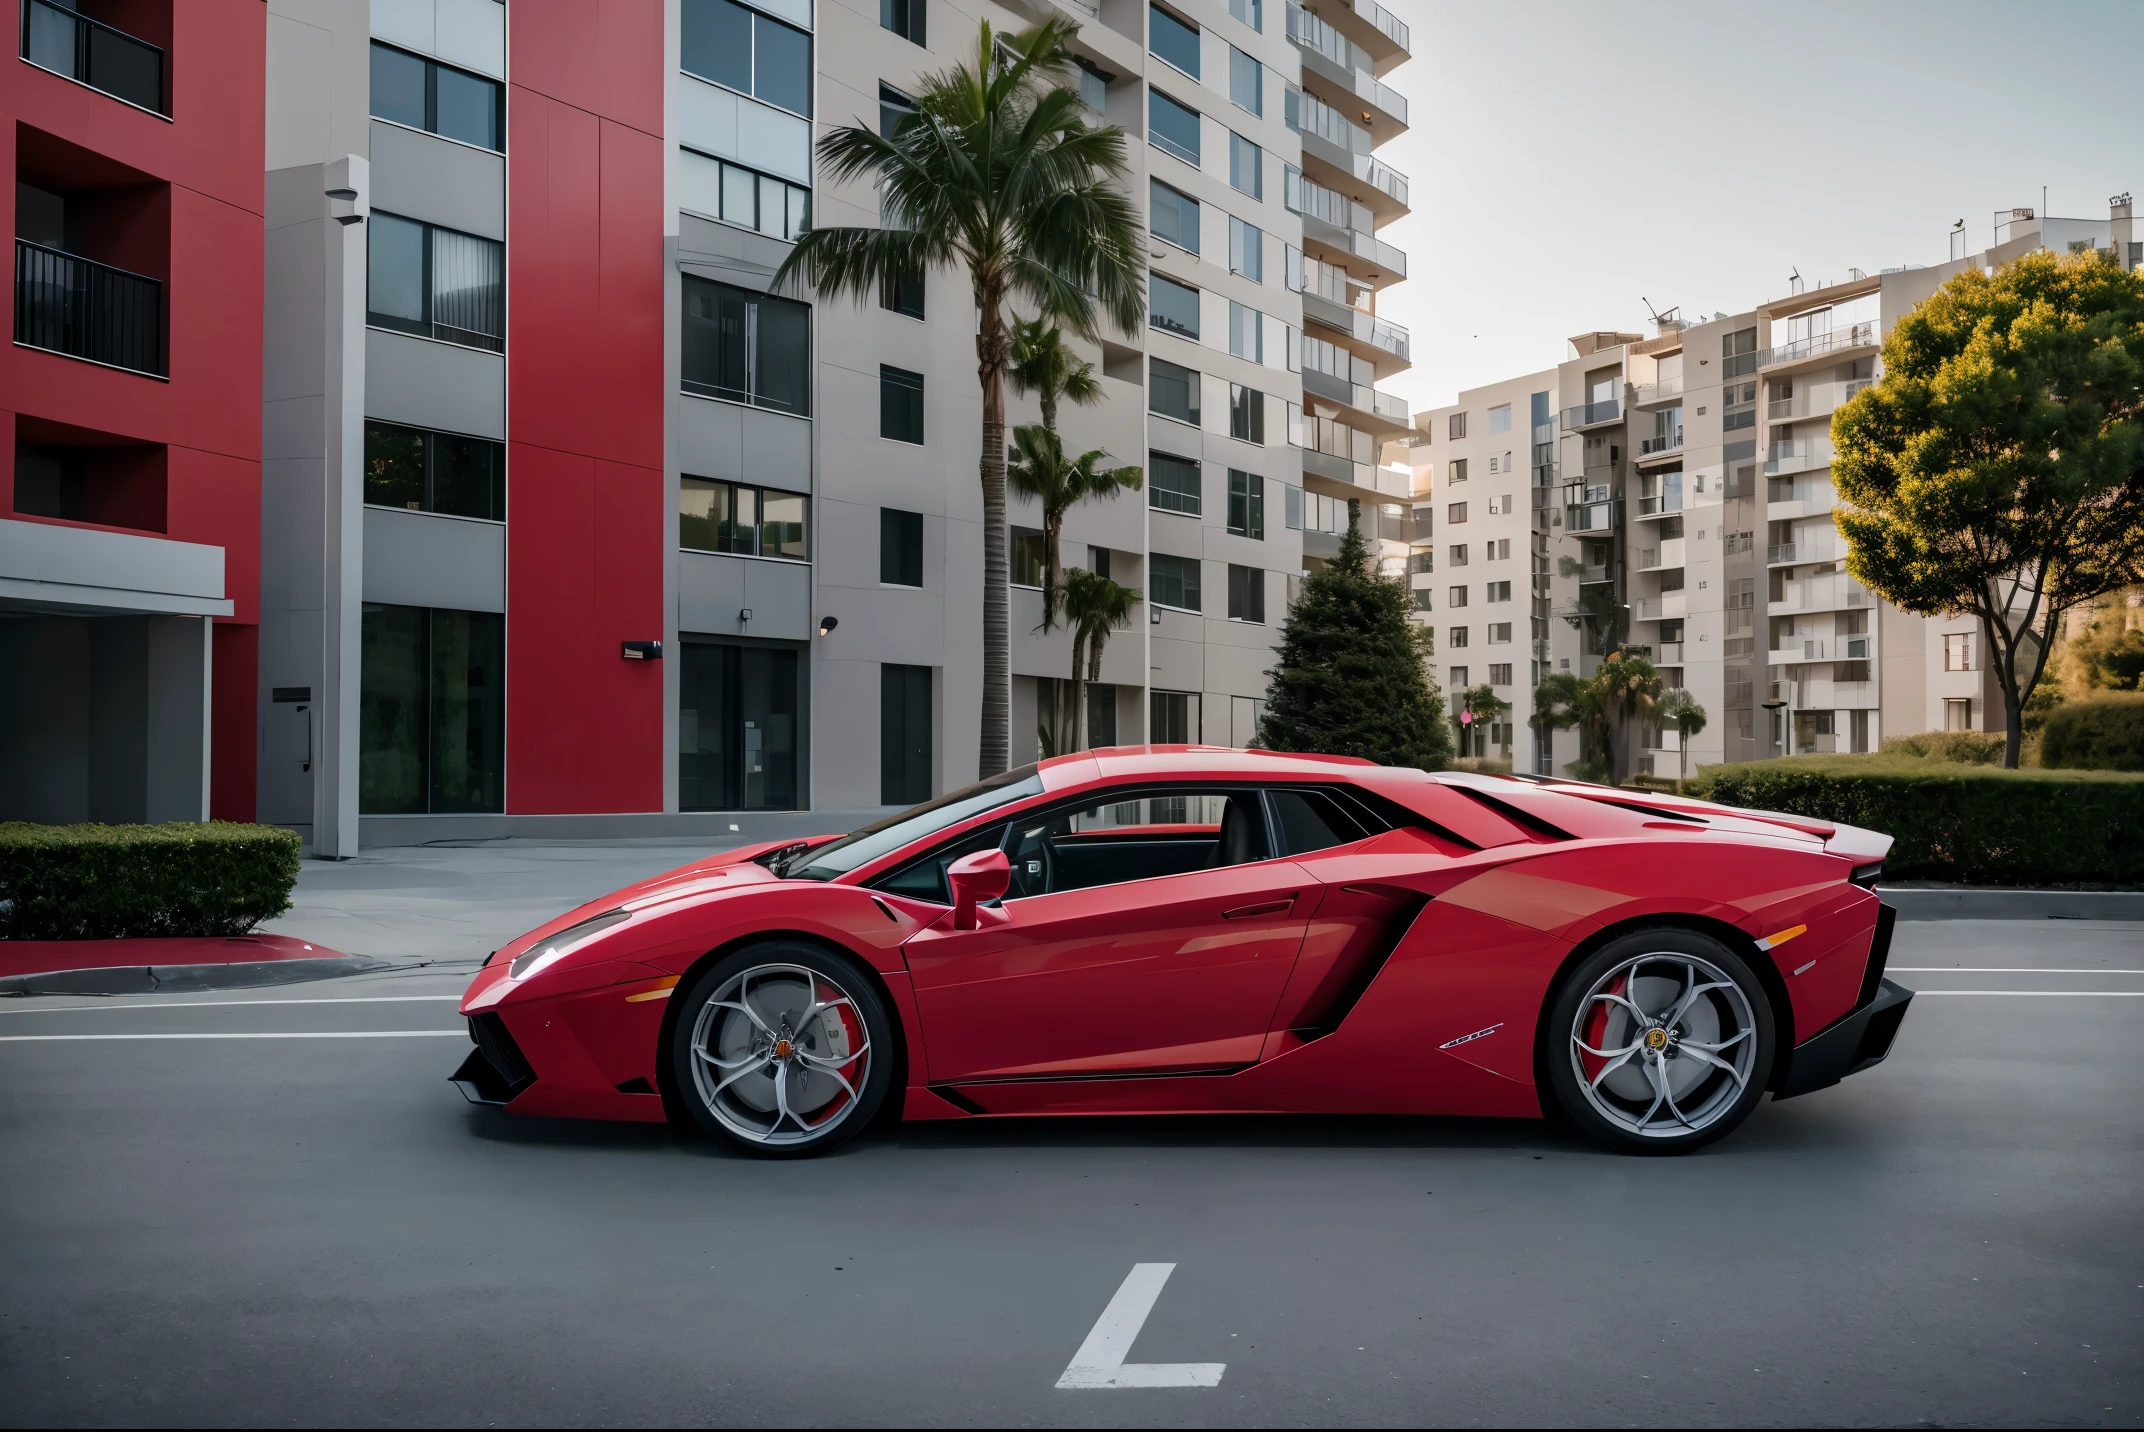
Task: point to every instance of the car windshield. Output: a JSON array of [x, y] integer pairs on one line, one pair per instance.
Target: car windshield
[[916, 823]]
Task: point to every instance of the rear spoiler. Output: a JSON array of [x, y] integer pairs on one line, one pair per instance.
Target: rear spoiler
[[1649, 802]]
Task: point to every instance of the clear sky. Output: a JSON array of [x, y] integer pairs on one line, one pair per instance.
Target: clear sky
[[1567, 161]]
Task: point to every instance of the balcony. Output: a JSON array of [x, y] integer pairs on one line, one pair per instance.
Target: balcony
[[1363, 327], [1809, 549], [1644, 394], [1330, 56], [1586, 415], [1815, 400], [1840, 340], [1662, 444], [1797, 455], [68, 304], [92, 53]]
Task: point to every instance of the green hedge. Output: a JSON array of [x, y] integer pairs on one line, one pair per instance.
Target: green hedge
[[1978, 825], [2103, 734], [92, 882]]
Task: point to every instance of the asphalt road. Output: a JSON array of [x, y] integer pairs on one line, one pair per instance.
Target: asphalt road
[[317, 1230]]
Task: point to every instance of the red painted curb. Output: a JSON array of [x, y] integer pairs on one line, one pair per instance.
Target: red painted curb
[[40, 957]]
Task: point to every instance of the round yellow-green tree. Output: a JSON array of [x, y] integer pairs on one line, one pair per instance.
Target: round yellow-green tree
[[1997, 467]]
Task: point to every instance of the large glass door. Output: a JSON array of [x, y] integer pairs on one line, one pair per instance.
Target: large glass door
[[739, 718]]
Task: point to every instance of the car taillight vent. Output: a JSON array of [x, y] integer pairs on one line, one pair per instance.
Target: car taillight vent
[[1866, 876], [499, 1050]]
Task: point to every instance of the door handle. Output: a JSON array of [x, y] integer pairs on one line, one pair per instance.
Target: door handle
[[1251, 912]]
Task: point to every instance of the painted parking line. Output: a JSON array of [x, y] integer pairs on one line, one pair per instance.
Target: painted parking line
[[317, 1034], [1100, 1363], [1997, 970], [146, 1002]]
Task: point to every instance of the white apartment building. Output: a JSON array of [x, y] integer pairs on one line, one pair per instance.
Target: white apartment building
[[573, 525], [1673, 494]]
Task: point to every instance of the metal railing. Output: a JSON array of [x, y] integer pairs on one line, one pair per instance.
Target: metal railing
[[1643, 393], [1665, 442], [1860, 335], [68, 304], [90, 52], [1815, 400], [1392, 27], [1797, 455]]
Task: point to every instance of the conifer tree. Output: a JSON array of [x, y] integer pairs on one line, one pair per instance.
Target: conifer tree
[[1353, 679]]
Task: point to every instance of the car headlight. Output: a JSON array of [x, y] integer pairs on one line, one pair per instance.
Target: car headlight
[[546, 952]]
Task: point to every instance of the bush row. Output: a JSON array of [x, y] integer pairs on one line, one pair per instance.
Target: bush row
[[1977, 825], [90, 882], [2103, 734]]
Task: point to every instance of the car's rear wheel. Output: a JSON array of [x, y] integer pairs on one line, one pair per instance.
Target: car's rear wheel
[[782, 1048], [1660, 1041]]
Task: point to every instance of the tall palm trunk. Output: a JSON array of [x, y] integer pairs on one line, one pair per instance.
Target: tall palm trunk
[[992, 350]]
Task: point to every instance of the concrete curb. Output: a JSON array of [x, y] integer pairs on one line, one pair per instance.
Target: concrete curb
[[1962, 903], [164, 979]]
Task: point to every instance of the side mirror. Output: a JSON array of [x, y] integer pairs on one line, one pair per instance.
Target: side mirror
[[985, 875]]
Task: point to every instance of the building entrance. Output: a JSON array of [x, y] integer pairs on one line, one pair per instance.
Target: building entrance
[[739, 712]]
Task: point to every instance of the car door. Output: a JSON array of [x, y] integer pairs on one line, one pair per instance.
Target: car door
[[1131, 972]]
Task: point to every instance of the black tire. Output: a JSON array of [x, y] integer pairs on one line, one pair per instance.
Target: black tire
[[1677, 1071], [812, 1112]]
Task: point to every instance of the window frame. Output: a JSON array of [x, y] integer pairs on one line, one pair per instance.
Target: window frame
[[919, 15], [891, 376], [429, 437], [1190, 30], [757, 18], [894, 551], [1196, 215], [431, 99], [1155, 281], [1246, 504], [748, 396], [1197, 399], [1196, 588], [1236, 144], [1172, 147], [1246, 590], [760, 179], [1236, 60], [1247, 414], [1246, 249], [429, 326], [758, 524], [1157, 461]]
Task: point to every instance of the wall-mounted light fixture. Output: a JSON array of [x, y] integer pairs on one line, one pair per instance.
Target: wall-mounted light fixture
[[641, 651], [827, 624]]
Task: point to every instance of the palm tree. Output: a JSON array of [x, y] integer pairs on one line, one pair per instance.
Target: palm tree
[[1042, 365], [1680, 710], [1094, 607], [1040, 469], [996, 173], [1601, 706]]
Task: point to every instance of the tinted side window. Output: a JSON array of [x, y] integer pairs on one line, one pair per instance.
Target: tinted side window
[[1312, 820]]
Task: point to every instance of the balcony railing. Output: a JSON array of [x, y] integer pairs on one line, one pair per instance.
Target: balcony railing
[[89, 52], [1607, 410], [1815, 400], [1860, 335], [71, 305], [1797, 455], [1393, 28], [1787, 554], [1643, 393], [1315, 37], [1664, 442]]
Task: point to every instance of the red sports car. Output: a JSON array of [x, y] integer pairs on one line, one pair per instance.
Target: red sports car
[[1181, 929]]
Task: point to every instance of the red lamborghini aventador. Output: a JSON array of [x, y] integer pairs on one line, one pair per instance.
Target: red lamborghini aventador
[[1175, 929]]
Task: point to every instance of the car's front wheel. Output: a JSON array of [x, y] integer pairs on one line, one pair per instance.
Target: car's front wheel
[[782, 1048], [1660, 1041]]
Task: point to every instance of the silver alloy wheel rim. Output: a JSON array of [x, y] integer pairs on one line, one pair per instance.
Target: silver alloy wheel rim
[[1664, 1044], [780, 1055]]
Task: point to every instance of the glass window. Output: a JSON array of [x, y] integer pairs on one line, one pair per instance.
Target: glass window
[[900, 404], [1246, 332], [904, 18], [399, 87], [1246, 414], [744, 521], [1246, 166], [1312, 820], [883, 838], [781, 525], [1457, 640], [900, 547], [1030, 555], [438, 99], [1175, 217], [1246, 250], [1173, 40], [1500, 418], [1246, 594], [1172, 483], [1173, 128], [747, 347], [466, 107], [394, 273], [903, 295], [1455, 513], [739, 713], [1172, 306], [1246, 504], [1246, 81], [1174, 581], [1172, 717], [893, 108], [904, 717], [722, 41], [1250, 12], [1173, 391], [431, 711], [434, 472]]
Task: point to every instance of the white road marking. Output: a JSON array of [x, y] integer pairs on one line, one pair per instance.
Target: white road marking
[[2041, 993], [1993, 970], [321, 1034], [1100, 1359], [147, 1002]]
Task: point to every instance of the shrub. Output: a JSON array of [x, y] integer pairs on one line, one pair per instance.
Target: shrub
[[2103, 734], [1978, 825], [91, 882], [1965, 748]]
